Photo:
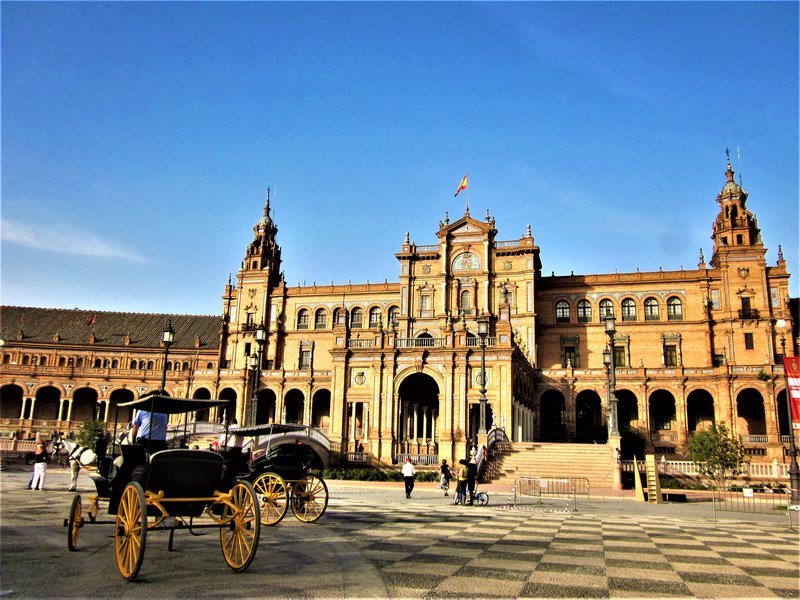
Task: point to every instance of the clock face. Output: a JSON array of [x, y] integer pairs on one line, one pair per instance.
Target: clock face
[[466, 262]]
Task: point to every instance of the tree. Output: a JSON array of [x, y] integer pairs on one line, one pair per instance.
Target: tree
[[90, 431], [718, 454]]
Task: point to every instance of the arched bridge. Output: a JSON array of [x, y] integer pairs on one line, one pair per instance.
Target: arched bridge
[[263, 437]]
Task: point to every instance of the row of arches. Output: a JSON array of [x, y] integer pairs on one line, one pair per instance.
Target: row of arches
[[661, 420], [651, 309], [101, 363]]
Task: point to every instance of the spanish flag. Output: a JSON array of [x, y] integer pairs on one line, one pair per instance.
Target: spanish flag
[[462, 185]]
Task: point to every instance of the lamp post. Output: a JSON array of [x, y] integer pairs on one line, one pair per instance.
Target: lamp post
[[167, 337], [608, 360], [483, 331], [255, 364], [794, 470]]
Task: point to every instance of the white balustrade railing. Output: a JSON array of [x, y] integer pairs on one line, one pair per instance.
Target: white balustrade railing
[[773, 470]]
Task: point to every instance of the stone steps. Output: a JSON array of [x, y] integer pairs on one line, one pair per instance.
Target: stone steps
[[525, 459]]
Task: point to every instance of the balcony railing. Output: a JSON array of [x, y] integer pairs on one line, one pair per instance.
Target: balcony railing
[[750, 313], [753, 439], [359, 343], [420, 342], [473, 341]]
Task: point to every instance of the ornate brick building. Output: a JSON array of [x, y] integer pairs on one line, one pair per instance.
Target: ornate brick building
[[397, 367]]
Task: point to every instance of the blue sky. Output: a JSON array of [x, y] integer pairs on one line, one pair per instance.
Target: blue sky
[[139, 139]]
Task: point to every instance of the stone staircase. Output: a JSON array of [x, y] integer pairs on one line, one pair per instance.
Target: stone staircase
[[511, 460]]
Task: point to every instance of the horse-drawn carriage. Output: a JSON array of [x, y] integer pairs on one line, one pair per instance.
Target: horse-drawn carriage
[[167, 491], [282, 474]]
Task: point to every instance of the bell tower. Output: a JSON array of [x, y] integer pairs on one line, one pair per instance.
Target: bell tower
[[263, 254], [736, 234]]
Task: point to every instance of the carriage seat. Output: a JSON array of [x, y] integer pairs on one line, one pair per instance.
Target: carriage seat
[[134, 459], [235, 466], [183, 473]]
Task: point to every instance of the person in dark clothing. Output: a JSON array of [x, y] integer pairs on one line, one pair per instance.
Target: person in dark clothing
[[472, 477], [446, 476]]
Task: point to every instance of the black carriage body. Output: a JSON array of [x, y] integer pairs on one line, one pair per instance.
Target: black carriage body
[[291, 461]]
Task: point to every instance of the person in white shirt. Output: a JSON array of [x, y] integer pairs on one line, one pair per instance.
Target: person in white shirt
[[409, 472]]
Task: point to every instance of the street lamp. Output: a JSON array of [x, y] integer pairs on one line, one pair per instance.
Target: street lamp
[[167, 337], [608, 361], [255, 364], [794, 470], [483, 331]]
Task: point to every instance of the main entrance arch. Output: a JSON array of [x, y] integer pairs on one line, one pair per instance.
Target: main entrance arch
[[418, 412]]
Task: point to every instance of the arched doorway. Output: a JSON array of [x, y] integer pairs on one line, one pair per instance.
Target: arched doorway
[[265, 408], [11, 402], [699, 410], [589, 426], [228, 412], [750, 418], [627, 410], [663, 433], [293, 406], [553, 416], [321, 409], [48, 400], [84, 404], [418, 412], [116, 398], [202, 416]]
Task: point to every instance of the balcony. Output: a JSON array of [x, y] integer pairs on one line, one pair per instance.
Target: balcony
[[749, 313], [425, 342]]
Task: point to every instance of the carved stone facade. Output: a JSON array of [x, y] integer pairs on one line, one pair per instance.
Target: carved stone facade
[[396, 367]]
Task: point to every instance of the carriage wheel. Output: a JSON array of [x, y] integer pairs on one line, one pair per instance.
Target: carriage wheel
[[239, 538], [131, 531], [272, 497], [309, 498], [74, 523], [482, 498]]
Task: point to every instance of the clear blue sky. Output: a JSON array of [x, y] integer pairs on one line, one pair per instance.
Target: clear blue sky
[[138, 139]]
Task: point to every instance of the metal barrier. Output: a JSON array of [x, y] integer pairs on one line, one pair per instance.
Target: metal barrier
[[549, 488], [747, 500]]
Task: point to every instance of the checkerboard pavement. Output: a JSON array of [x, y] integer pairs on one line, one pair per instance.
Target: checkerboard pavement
[[443, 551]]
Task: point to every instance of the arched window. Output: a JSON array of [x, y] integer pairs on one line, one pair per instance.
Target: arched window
[[357, 318], [674, 309], [150, 365], [628, 310], [62, 362], [606, 309], [6, 359], [106, 363], [465, 303], [321, 319], [651, 309], [79, 362], [98, 363], [584, 311], [114, 364], [133, 364], [394, 315], [209, 365], [302, 319], [26, 359], [562, 311], [375, 317], [142, 364], [177, 366], [185, 366], [34, 360], [338, 316]]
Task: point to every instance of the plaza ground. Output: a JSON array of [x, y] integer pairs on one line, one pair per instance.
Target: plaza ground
[[373, 543]]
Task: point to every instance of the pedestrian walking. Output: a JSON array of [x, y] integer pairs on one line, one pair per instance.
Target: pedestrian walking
[[444, 479], [40, 458], [409, 472]]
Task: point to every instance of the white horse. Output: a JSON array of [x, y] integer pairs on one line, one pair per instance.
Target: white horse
[[82, 456]]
